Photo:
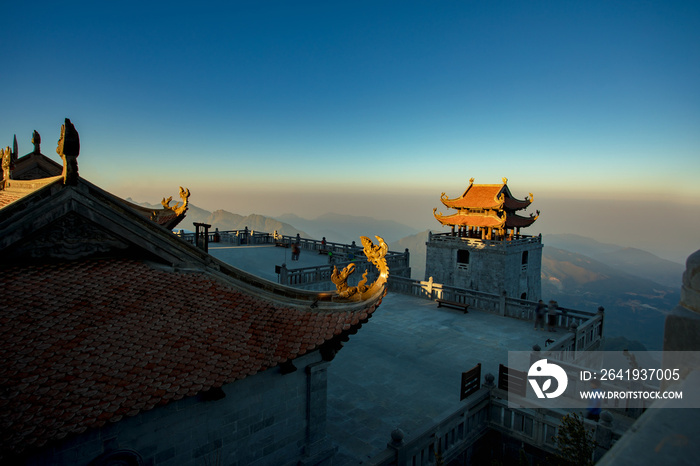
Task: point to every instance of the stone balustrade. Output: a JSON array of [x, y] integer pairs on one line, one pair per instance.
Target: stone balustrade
[[486, 410], [234, 237], [496, 244], [314, 277], [397, 262]]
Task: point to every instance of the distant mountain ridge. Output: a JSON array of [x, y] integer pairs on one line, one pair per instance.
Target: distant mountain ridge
[[635, 307], [631, 260], [416, 247], [224, 220], [342, 228]]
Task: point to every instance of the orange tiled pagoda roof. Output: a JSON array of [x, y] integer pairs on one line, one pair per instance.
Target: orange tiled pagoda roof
[[486, 196], [475, 220], [483, 221], [486, 206], [517, 221]]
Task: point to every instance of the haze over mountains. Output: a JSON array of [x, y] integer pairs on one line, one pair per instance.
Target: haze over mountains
[[348, 228], [224, 220], [635, 287], [631, 260]]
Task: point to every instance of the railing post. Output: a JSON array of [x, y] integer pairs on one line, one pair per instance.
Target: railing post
[[201, 236], [397, 444], [603, 436], [574, 329], [284, 279], [535, 355]]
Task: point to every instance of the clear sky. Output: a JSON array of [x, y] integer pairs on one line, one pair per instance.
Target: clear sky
[[373, 108]]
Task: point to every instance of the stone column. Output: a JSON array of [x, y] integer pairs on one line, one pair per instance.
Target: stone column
[[318, 448]]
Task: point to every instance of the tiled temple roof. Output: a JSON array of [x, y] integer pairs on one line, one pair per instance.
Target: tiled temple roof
[[477, 196], [486, 206], [474, 220], [487, 196], [517, 221], [485, 220], [103, 314], [92, 341]]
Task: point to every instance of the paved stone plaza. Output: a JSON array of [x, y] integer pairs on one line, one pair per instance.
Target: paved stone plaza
[[403, 368]]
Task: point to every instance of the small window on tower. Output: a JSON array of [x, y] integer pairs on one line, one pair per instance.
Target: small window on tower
[[462, 259], [524, 257]]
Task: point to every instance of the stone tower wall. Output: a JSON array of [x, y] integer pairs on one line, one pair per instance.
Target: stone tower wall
[[493, 267]]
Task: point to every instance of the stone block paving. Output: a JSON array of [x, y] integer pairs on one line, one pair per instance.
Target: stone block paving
[[261, 260], [403, 368]]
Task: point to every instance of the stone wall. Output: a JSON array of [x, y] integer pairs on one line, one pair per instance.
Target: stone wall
[[263, 419], [493, 266]]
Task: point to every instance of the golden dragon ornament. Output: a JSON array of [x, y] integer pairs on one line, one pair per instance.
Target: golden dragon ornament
[[376, 254]]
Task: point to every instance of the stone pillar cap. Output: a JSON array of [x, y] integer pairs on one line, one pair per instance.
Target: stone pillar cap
[[690, 291]]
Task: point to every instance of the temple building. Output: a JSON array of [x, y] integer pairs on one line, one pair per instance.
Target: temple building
[[33, 165], [485, 250], [124, 344]]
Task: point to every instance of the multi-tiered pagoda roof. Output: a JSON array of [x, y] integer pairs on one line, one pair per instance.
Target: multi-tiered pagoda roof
[[487, 210]]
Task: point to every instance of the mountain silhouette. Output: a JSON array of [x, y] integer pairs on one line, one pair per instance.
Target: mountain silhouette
[[342, 228], [224, 221]]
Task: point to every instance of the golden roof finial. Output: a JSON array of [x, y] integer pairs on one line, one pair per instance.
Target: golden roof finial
[[505, 180], [375, 255], [471, 180], [177, 208]]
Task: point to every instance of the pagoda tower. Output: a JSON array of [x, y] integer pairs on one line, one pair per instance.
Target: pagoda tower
[[485, 250]]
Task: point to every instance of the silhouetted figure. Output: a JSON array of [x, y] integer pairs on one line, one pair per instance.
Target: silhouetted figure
[[539, 315], [552, 315], [596, 404]]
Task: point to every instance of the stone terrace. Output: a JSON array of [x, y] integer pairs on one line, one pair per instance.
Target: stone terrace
[[403, 368]]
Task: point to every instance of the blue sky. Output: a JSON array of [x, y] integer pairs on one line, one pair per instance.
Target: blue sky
[[371, 108]]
